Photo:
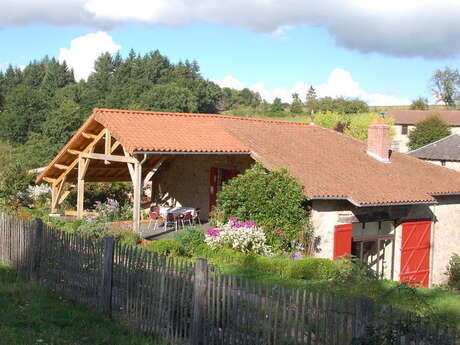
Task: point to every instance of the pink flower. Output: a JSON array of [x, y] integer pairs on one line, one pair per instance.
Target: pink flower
[[214, 232], [279, 232]]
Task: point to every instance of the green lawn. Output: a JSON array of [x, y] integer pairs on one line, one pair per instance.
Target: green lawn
[[30, 315]]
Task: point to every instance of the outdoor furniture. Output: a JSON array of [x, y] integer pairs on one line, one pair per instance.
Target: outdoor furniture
[[179, 214]]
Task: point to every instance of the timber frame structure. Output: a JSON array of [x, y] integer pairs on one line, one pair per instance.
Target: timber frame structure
[[94, 155]]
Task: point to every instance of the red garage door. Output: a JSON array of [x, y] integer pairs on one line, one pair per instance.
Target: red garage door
[[415, 252]]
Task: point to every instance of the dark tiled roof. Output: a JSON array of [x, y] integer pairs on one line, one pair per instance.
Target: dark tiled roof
[[445, 149], [411, 117], [327, 163]]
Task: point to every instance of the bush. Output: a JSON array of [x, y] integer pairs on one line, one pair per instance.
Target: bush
[[191, 239], [355, 125], [93, 228], [312, 269], [274, 199], [453, 272], [428, 131], [244, 237], [166, 248], [125, 236]]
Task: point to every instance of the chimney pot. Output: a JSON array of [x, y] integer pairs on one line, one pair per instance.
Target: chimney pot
[[378, 141]]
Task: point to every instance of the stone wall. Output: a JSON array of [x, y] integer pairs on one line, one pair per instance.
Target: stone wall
[[445, 232], [184, 180]]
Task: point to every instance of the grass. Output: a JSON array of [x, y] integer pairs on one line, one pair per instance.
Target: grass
[[31, 315]]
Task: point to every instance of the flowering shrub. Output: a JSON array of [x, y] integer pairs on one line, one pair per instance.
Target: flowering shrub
[[243, 236], [39, 194], [274, 199], [109, 209]]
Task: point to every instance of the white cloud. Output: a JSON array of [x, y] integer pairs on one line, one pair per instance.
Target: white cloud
[[339, 84], [427, 28], [230, 82], [84, 50]]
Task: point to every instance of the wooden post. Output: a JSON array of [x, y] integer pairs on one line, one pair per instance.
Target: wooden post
[[81, 187], [36, 250], [137, 186], [107, 274], [365, 313], [199, 301], [54, 197]]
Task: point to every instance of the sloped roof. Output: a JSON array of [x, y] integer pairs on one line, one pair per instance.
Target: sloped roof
[[411, 117], [445, 149], [328, 164]]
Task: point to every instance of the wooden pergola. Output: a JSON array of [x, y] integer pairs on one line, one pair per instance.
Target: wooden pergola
[[94, 155]]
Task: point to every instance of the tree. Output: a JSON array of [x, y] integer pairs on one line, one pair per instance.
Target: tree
[[445, 84], [312, 100], [420, 103], [342, 105], [296, 106], [427, 131], [277, 105]]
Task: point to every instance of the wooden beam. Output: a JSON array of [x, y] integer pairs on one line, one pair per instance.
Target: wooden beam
[[64, 195], [89, 135], [130, 166], [115, 146], [112, 158], [61, 166], [49, 179], [74, 152], [155, 168], [89, 148], [108, 145]]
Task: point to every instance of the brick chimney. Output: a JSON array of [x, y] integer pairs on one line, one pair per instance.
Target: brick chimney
[[378, 141]]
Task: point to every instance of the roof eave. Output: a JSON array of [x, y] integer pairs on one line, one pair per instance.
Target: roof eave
[[354, 203]]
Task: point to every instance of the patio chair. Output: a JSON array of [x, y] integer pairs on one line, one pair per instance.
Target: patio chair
[[186, 217], [155, 218], [172, 219], [196, 217]]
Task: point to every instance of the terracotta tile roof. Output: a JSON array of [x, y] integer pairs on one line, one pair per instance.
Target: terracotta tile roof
[[445, 149], [327, 163], [410, 117], [161, 131]]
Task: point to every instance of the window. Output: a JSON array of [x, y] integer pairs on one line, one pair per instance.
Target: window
[[373, 244], [404, 129], [443, 163]]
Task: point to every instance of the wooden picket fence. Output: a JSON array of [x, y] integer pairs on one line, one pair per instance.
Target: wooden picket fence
[[195, 304]]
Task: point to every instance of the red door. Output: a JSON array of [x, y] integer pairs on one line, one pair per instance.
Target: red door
[[217, 177], [342, 240], [415, 252]]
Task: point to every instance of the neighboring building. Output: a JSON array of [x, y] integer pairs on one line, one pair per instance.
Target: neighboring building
[[444, 152], [405, 121], [396, 212]]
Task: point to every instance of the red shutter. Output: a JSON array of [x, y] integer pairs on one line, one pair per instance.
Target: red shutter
[[342, 240], [213, 188]]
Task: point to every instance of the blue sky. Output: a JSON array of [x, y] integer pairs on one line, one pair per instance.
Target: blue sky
[[275, 51]]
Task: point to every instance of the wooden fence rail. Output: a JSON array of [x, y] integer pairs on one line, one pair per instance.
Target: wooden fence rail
[[193, 304]]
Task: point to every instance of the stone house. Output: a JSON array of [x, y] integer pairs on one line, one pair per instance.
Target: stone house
[[405, 121], [397, 213]]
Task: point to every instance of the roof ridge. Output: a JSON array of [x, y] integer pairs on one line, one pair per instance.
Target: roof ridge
[[220, 116]]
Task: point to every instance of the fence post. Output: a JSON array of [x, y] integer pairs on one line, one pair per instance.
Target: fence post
[[107, 273], [364, 317], [199, 301], [36, 250]]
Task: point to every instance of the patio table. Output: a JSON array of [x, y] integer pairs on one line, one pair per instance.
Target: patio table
[[164, 211]]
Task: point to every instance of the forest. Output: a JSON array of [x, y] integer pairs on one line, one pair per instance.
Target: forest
[[42, 105]]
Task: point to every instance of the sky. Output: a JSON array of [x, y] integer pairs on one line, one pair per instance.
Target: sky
[[383, 52]]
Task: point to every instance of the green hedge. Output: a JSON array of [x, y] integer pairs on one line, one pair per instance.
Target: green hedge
[[166, 248]]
